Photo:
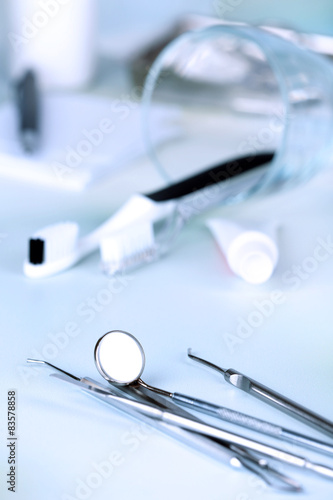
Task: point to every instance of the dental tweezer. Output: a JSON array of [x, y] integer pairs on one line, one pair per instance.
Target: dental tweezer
[[205, 444], [272, 398], [217, 451], [198, 427], [236, 457], [208, 430]]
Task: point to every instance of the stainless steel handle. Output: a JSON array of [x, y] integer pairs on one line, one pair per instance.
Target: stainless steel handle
[[228, 415], [128, 405], [280, 402]]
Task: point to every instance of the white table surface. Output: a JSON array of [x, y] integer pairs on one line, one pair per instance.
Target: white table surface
[[188, 299]]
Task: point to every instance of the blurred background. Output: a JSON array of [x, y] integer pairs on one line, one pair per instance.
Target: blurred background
[[120, 27], [119, 23], [100, 49]]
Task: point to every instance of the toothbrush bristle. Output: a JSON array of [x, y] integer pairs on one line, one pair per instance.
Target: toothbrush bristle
[[53, 243], [128, 249], [36, 251]]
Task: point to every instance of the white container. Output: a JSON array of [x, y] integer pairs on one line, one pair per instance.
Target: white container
[[251, 253], [56, 38]]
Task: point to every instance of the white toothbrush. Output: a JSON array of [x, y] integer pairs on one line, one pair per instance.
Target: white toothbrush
[[135, 245], [140, 243], [58, 247], [145, 227]]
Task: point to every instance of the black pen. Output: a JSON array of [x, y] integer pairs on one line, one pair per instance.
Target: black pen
[[28, 109]]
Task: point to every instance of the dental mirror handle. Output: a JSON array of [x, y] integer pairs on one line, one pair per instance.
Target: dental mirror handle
[[253, 423], [280, 402]]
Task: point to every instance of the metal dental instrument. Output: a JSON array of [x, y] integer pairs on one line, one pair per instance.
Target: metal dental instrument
[[120, 359], [167, 417], [273, 398], [236, 457], [215, 449], [201, 443], [256, 465]]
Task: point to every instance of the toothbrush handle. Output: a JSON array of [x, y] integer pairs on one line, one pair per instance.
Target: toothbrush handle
[[212, 176], [280, 402], [210, 188], [228, 415]]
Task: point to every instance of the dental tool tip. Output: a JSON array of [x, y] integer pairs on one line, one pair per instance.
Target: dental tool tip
[[205, 362], [53, 367], [37, 361]]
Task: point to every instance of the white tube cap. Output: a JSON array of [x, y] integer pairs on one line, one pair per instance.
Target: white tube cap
[[251, 254]]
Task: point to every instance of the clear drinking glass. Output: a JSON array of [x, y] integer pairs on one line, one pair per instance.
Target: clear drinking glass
[[241, 90]]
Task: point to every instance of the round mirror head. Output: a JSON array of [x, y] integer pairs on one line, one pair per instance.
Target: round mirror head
[[119, 357]]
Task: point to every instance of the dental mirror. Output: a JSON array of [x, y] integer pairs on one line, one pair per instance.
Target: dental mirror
[[119, 357]]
